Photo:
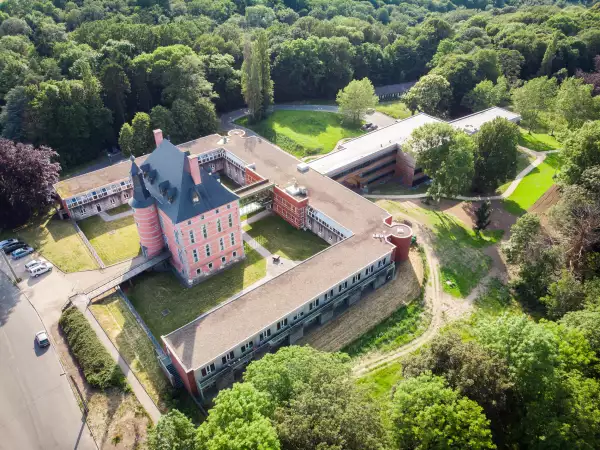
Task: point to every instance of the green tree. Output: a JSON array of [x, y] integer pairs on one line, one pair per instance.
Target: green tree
[[431, 94], [174, 431], [534, 98], [487, 94], [116, 87], [239, 419], [524, 238], [564, 295], [581, 151], [446, 155], [257, 85], [575, 103], [137, 139], [496, 154], [426, 413], [482, 216], [355, 99], [587, 322]]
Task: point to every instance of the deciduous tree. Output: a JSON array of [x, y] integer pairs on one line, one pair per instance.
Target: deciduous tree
[[431, 94], [355, 99], [26, 178], [174, 431], [534, 98]]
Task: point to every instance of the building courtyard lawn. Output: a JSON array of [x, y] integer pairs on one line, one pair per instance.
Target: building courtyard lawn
[[533, 186], [303, 133], [135, 347], [119, 209], [279, 237], [396, 109], [58, 242], [114, 241], [153, 294], [539, 142]]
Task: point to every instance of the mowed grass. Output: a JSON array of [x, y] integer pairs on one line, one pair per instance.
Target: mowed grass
[[395, 109], [533, 186], [114, 241], [58, 242], [118, 210], [379, 383], [523, 160], [279, 237], [459, 249], [135, 347], [539, 142], [153, 293], [303, 133]]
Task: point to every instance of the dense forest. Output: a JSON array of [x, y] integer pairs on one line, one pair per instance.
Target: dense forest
[[72, 73]]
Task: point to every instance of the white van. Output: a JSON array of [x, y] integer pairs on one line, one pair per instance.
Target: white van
[[40, 269]]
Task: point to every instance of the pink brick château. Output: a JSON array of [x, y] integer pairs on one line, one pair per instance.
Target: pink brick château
[[179, 205]]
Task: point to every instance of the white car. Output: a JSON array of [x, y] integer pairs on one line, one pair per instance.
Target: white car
[[40, 269], [8, 242], [34, 262], [41, 338]]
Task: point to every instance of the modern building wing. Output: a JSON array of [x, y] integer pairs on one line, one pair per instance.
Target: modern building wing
[[472, 123]]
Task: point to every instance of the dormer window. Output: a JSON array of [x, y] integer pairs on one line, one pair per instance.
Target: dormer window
[[163, 187], [171, 193], [195, 197], [151, 176]]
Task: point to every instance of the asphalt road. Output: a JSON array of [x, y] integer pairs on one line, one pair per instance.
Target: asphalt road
[[38, 409]]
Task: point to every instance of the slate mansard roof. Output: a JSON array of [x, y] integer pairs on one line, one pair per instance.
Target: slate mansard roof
[[168, 179]]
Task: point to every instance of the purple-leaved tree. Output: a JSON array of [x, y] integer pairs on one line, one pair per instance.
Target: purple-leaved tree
[[27, 174]]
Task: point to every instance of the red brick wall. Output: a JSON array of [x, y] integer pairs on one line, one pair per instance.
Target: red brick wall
[[289, 208], [405, 168], [187, 377], [252, 176]]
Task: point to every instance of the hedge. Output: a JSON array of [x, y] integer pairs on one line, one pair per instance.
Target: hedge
[[99, 368]]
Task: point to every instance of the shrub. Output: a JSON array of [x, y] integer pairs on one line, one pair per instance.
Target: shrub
[[99, 368]]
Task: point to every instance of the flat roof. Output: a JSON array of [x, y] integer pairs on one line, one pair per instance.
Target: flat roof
[[368, 145], [98, 178], [222, 329], [473, 122]]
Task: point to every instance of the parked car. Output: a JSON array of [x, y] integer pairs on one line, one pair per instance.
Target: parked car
[[40, 269], [21, 252], [12, 247], [33, 263], [366, 126], [8, 242], [41, 339]]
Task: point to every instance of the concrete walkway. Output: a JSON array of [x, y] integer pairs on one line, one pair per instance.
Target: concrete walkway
[[108, 218], [539, 158], [81, 302]]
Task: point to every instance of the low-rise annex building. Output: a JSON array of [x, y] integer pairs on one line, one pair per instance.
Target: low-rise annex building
[[377, 156]]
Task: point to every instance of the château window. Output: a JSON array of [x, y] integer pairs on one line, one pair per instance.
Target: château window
[[235, 254], [230, 220], [207, 249], [232, 237], [219, 225], [192, 237], [204, 231], [195, 253], [222, 244]]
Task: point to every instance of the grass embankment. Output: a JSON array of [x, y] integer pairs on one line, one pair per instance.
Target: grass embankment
[[303, 133], [279, 237], [533, 186], [459, 249], [99, 368], [58, 242], [153, 293], [114, 241], [137, 350], [539, 142], [395, 109], [523, 160]]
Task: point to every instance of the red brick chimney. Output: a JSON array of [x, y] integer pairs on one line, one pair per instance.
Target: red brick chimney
[[158, 136]]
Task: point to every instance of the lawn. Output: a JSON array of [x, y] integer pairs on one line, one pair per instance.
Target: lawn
[[58, 242], [114, 241], [380, 382], [118, 210], [523, 160], [458, 248], [395, 109], [153, 293], [539, 142], [395, 188], [303, 133], [137, 350], [533, 186], [279, 237]]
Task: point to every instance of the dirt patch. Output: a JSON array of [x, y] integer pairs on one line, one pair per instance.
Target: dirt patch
[[116, 419], [549, 199], [370, 310]]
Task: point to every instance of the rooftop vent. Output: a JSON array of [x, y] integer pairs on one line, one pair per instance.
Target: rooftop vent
[[302, 167]]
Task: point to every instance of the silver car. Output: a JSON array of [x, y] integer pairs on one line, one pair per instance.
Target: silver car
[[41, 338]]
